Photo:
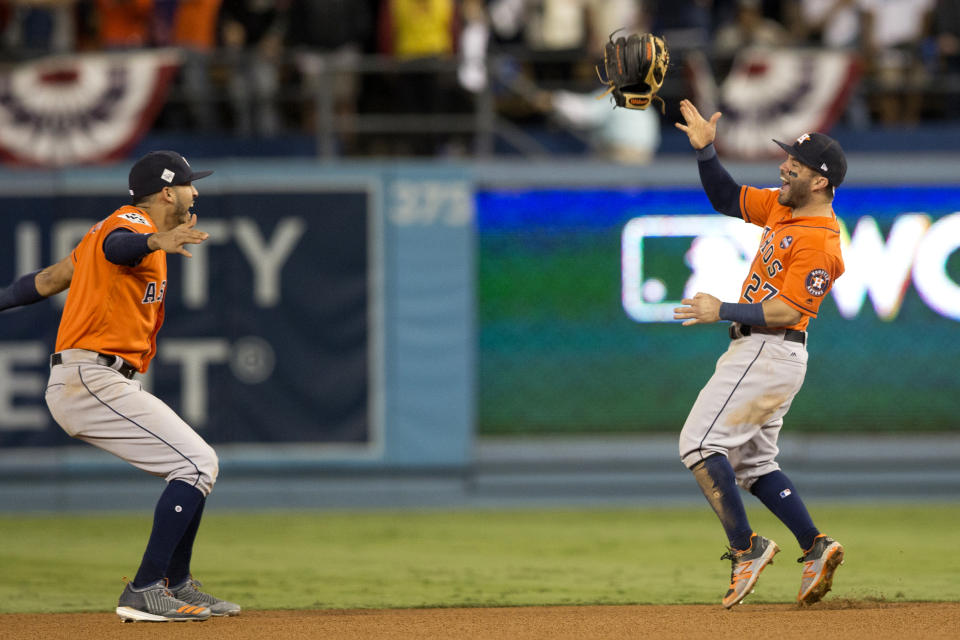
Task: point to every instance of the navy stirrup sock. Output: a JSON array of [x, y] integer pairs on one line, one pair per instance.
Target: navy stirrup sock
[[175, 511], [778, 494], [179, 568], [719, 485]]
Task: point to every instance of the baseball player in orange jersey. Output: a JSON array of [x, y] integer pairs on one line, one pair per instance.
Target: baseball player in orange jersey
[[730, 436], [117, 276]]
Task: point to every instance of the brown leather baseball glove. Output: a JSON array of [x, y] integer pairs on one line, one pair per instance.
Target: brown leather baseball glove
[[635, 68]]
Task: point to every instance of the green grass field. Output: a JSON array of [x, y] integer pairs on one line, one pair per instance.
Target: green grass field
[[296, 560]]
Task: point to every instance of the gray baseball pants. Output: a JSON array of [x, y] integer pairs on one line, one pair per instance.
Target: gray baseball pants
[[740, 411], [96, 403]]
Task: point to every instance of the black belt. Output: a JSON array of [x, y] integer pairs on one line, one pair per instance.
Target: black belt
[[105, 359], [792, 335]]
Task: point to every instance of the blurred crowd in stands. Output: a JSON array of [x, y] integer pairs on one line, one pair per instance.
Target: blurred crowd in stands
[[256, 67]]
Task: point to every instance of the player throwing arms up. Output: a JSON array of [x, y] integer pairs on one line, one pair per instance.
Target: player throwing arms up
[[117, 276], [730, 436]]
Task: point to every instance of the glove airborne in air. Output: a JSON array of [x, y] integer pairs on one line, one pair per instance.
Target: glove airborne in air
[[635, 68]]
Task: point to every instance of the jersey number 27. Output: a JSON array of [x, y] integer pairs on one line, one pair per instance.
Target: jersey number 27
[[756, 285]]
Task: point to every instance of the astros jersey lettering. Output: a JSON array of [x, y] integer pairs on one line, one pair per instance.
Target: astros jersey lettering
[[798, 260], [112, 308]]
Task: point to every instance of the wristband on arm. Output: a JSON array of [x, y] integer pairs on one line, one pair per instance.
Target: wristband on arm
[[21, 291], [708, 152], [744, 313]]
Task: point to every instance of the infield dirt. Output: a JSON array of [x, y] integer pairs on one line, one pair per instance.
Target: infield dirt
[[841, 619]]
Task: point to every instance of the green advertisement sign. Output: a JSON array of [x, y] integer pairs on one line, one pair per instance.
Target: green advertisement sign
[[576, 290]]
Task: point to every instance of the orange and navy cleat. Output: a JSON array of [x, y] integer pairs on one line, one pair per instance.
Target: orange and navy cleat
[[746, 567], [819, 563]]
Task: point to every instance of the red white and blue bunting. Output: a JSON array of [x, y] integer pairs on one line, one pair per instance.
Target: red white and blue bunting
[[81, 109], [782, 94]]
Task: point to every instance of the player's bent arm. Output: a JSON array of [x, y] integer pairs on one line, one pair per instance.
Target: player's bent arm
[[722, 190], [771, 313], [37, 286], [704, 309], [123, 246], [20, 292], [778, 313], [55, 278], [173, 241]]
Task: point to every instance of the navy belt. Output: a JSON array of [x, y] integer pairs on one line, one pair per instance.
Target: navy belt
[[792, 335], [108, 360]]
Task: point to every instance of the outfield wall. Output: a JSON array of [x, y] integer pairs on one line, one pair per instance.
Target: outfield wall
[[327, 320], [379, 316]]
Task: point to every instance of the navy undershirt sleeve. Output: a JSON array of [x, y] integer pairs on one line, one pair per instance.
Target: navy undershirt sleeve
[[125, 247], [21, 291], [723, 191]]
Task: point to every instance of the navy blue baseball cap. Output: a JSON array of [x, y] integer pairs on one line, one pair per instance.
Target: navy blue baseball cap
[[159, 169], [821, 153]]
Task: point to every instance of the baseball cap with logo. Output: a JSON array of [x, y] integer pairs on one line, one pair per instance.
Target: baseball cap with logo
[[159, 169], [821, 153]]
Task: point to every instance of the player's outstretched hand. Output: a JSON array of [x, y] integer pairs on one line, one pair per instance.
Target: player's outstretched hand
[[700, 132], [702, 308], [172, 241]]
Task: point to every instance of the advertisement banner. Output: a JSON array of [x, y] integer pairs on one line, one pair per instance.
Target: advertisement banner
[[576, 290], [267, 330]]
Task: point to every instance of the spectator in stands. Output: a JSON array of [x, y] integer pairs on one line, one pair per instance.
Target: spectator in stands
[[748, 29], [418, 33], [684, 24], [607, 16], [893, 35], [31, 28], [193, 28], [474, 40], [624, 136], [831, 23], [557, 33], [124, 24], [946, 31], [328, 38], [253, 32], [836, 24]]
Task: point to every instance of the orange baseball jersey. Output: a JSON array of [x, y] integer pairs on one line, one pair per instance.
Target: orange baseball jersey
[[113, 308], [798, 260]]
